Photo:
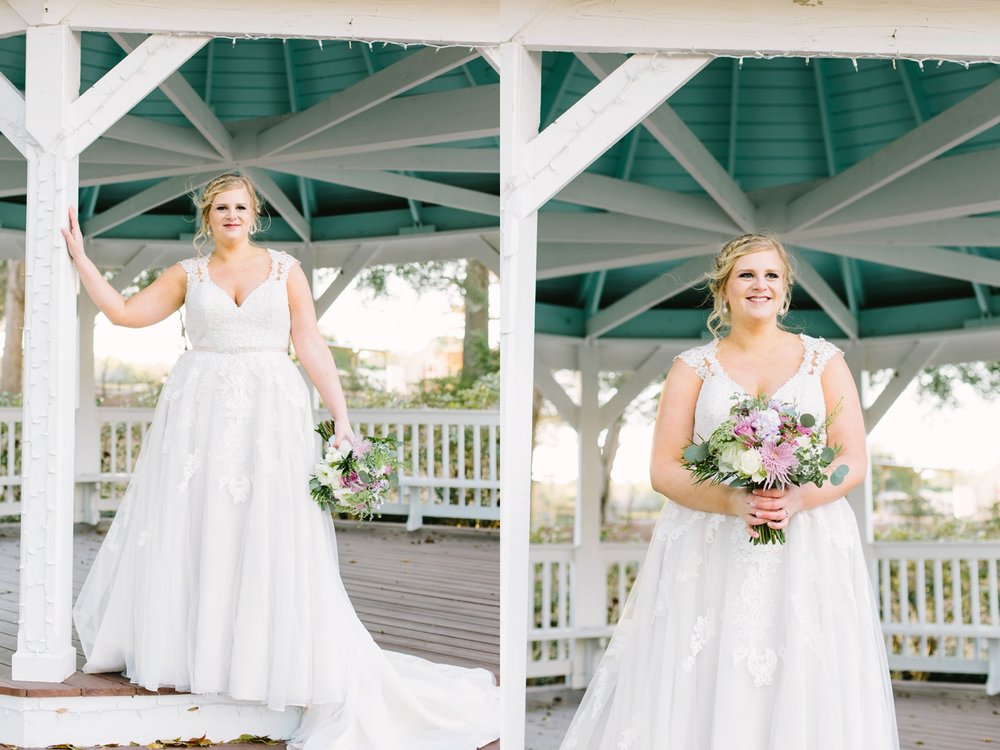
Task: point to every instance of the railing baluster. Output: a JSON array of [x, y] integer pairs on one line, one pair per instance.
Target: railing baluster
[[921, 594]]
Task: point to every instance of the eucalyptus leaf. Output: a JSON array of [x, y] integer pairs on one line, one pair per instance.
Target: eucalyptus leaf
[[807, 420], [828, 455], [839, 474]]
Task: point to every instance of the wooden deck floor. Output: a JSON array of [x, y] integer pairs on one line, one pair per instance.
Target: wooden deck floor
[[432, 593]]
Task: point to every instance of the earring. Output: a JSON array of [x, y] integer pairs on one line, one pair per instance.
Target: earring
[[725, 307]]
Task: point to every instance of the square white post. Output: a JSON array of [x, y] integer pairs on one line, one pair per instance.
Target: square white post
[[520, 105], [589, 573], [88, 426], [44, 636]]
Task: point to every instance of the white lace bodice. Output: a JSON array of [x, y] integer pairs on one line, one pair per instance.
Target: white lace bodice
[[215, 322], [715, 399]]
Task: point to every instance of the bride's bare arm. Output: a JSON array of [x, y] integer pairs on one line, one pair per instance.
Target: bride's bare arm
[[315, 354], [847, 431], [154, 303], [674, 427]]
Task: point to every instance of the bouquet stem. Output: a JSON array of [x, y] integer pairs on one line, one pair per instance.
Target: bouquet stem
[[768, 535]]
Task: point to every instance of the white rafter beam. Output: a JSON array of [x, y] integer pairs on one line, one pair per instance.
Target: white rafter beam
[[492, 57], [810, 280], [946, 188], [128, 83], [369, 92], [144, 258], [571, 259], [977, 231], [364, 256], [971, 116], [402, 186], [143, 201], [652, 293], [933, 260], [598, 120], [145, 132], [558, 226], [486, 253], [647, 202], [12, 115], [676, 137], [654, 366], [281, 202], [108, 153], [555, 394], [416, 120], [192, 106], [417, 159], [921, 355]]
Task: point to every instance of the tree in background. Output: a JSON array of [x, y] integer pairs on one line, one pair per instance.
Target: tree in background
[[937, 384], [13, 313]]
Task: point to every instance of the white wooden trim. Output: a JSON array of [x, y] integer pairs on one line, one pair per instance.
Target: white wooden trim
[[416, 159], [819, 290], [676, 137], [416, 120], [144, 200], [146, 132], [555, 394], [599, 119], [600, 228], [971, 116], [12, 115], [185, 98], [665, 286], [281, 202], [647, 202], [127, 84], [654, 366], [977, 231], [919, 356], [487, 254], [403, 186], [949, 263], [492, 56], [557, 259], [363, 257], [11, 22], [520, 103], [369, 92]]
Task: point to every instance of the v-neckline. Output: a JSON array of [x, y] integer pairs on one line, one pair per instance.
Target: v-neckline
[[239, 305], [789, 379]]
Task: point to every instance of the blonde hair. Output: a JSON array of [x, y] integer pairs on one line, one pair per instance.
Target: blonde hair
[[719, 320], [203, 205]]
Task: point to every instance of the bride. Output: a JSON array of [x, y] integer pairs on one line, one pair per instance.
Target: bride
[[219, 573], [725, 645]]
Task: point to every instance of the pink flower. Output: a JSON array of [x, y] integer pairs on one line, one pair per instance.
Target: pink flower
[[778, 460], [743, 428], [361, 447]]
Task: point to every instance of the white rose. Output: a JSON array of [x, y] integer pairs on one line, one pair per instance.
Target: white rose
[[336, 454], [803, 441], [750, 463], [730, 455]]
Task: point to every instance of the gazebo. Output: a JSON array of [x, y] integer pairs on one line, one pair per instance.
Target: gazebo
[[832, 124]]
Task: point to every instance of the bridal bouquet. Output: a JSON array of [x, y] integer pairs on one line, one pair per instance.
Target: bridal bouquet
[[765, 444], [356, 478]]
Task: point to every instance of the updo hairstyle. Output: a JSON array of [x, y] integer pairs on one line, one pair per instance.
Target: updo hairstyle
[[203, 204], [720, 319]]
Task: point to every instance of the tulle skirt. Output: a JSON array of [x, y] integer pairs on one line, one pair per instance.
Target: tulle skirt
[[723, 645], [219, 574]]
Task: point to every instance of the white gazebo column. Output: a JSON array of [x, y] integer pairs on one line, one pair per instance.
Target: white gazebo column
[[860, 497], [88, 426], [44, 637], [57, 125], [520, 106], [589, 572]]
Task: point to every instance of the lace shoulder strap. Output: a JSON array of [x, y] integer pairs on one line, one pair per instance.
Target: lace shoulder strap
[[701, 359], [818, 353], [195, 268], [281, 264]]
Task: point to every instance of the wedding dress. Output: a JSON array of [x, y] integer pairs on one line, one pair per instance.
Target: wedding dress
[[724, 645], [219, 573]]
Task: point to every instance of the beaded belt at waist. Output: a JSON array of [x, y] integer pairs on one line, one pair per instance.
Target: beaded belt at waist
[[240, 349]]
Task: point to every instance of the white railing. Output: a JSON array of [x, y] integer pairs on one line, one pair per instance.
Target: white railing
[[451, 461], [939, 605]]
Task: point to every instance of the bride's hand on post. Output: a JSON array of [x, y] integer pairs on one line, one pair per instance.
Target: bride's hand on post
[[73, 236], [775, 506]]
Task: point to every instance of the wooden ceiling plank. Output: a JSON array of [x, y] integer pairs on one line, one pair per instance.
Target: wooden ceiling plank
[[143, 201], [678, 139], [128, 83], [192, 106], [367, 93], [817, 287], [645, 201], [281, 202], [971, 116], [652, 293], [599, 119]]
